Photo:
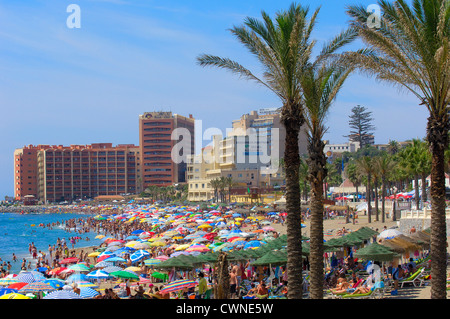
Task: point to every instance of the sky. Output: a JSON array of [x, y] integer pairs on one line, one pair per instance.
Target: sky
[[64, 86]]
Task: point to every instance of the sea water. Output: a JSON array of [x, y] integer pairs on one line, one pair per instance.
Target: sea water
[[17, 231]]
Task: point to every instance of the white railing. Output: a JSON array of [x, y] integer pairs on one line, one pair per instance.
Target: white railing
[[425, 213]]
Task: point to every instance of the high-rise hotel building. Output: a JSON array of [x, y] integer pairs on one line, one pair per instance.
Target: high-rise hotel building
[[54, 173], [163, 160]]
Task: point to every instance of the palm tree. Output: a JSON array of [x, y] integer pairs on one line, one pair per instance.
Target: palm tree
[[384, 165], [229, 182], [376, 177], [215, 184], [303, 178], [320, 84], [352, 174], [282, 46], [365, 168], [412, 49]]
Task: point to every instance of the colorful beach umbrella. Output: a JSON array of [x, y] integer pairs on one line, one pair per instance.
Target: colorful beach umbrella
[[4, 291], [178, 285], [36, 287], [125, 274], [139, 255], [7, 281], [79, 267], [14, 296]]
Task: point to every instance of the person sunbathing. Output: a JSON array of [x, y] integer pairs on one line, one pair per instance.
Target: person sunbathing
[[341, 286]]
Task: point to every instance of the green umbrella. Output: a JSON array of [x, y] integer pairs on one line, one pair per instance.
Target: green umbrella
[[274, 258], [124, 274], [180, 262], [160, 275], [376, 252]]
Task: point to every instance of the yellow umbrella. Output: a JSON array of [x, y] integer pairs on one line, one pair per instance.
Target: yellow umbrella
[[158, 243], [131, 243], [205, 226], [14, 296], [99, 236], [239, 219], [133, 268], [182, 247], [177, 237], [94, 254]]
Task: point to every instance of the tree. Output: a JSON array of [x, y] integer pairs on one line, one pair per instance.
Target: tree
[[365, 168], [411, 49], [282, 46], [361, 125], [320, 84], [352, 174], [384, 165]]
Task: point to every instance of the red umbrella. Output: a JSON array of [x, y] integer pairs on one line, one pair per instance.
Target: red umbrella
[[17, 285], [99, 259], [69, 260], [57, 270]]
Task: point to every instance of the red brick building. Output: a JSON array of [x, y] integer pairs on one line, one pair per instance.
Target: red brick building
[[156, 145], [54, 173]]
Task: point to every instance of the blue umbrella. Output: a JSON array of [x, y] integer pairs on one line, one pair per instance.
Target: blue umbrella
[[4, 291], [87, 292], [137, 232], [76, 277], [25, 277], [98, 274], [253, 244], [62, 294], [114, 258], [132, 237], [140, 254], [103, 264], [111, 269], [55, 283]]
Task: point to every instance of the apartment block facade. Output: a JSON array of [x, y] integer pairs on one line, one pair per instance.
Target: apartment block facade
[[54, 173]]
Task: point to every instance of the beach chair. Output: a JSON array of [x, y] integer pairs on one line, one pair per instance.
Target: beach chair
[[376, 292], [413, 279]]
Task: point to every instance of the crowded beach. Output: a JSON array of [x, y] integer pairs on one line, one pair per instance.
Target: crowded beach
[[179, 252]]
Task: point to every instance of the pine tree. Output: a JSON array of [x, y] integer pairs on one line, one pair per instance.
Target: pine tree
[[361, 125]]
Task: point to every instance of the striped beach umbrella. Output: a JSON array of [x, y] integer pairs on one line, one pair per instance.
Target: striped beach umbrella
[[87, 293], [36, 287], [76, 278], [103, 264], [86, 284], [111, 269], [25, 277], [178, 285], [62, 294], [8, 281], [152, 262], [78, 267]]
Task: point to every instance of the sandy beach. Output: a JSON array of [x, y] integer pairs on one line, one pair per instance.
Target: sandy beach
[[330, 225]]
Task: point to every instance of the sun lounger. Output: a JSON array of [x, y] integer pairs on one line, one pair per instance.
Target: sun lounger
[[377, 291], [413, 279]]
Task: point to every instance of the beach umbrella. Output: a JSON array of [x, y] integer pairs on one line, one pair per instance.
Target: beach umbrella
[[178, 285], [4, 291], [69, 260], [84, 284], [389, 233], [98, 274], [111, 269], [7, 281], [132, 237], [143, 245], [137, 232], [103, 264], [27, 277], [36, 287], [79, 267], [198, 247], [17, 285], [151, 262], [253, 244], [88, 293], [138, 255], [115, 259], [14, 296], [375, 252], [94, 254], [54, 282], [160, 275], [76, 278], [62, 294], [125, 274]]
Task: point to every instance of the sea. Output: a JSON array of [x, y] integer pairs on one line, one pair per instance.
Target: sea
[[17, 231]]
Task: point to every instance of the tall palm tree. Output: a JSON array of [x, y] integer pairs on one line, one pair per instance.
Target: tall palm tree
[[352, 174], [320, 84], [303, 178], [384, 165], [215, 184], [282, 46], [412, 49], [365, 168]]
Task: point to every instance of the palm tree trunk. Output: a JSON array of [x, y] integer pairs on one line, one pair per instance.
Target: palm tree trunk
[[292, 119], [424, 188], [368, 196], [416, 189], [383, 200], [377, 215], [316, 176], [437, 136]]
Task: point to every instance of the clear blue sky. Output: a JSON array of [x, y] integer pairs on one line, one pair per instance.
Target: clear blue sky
[[89, 85]]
